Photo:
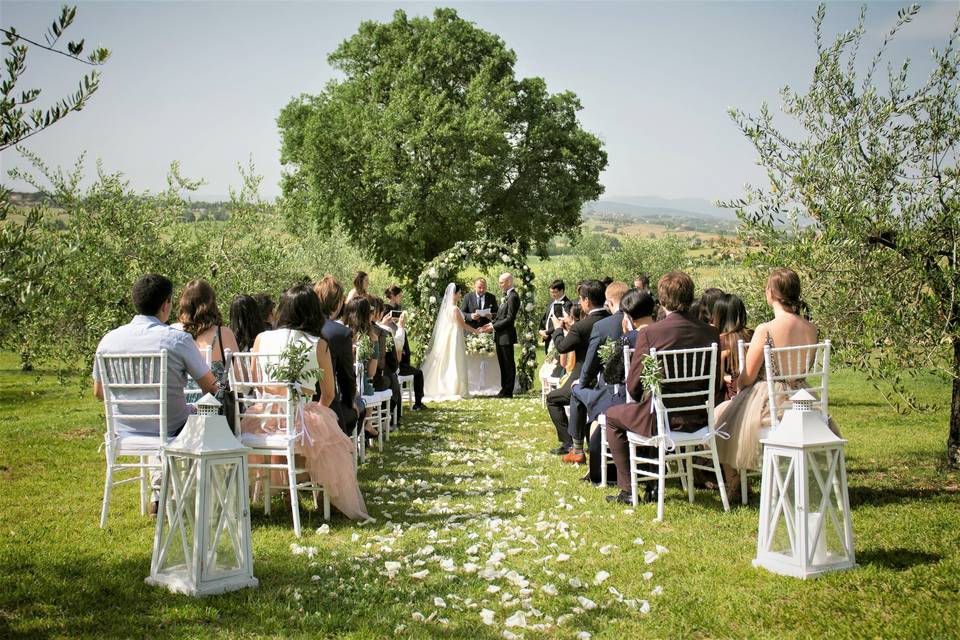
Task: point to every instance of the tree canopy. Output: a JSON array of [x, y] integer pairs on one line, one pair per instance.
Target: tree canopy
[[870, 194], [430, 138]]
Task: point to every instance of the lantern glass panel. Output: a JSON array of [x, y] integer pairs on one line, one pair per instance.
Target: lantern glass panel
[[177, 534], [224, 524], [825, 511], [782, 507]]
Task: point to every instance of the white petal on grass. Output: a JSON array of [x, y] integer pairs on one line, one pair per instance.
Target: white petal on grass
[[562, 557], [584, 635], [509, 635], [650, 557], [644, 606], [486, 615], [549, 589], [324, 529], [420, 575], [493, 588], [586, 603], [416, 615], [638, 541], [647, 575], [601, 577], [661, 549], [657, 590], [519, 619], [576, 583], [440, 602], [607, 549]]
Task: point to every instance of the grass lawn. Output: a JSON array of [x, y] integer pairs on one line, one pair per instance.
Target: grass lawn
[[464, 487]]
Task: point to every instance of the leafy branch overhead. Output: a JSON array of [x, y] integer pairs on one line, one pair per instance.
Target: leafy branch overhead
[[430, 138], [19, 121]]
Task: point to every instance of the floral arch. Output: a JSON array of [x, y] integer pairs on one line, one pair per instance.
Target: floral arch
[[486, 255]]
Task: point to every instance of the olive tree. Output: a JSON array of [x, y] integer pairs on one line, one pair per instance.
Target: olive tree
[[864, 202]]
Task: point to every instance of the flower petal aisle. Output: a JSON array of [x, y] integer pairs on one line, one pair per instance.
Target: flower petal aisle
[[469, 536]]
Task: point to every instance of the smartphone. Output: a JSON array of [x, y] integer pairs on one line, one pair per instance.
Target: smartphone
[[558, 311], [396, 313]]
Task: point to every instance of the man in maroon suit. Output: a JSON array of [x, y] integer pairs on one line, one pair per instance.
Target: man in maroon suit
[[675, 331]]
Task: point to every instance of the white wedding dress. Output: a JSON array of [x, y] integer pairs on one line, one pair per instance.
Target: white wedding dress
[[445, 375]]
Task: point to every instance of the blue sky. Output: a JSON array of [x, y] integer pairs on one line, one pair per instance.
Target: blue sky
[[203, 82]]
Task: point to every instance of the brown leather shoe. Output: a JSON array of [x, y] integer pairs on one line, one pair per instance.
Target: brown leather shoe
[[153, 508], [575, 458]]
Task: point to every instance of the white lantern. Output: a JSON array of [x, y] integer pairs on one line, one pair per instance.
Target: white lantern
[[805, 527], [202, 540]]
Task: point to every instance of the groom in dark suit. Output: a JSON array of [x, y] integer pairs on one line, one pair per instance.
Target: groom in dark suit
[[477, 300], [505, 335]]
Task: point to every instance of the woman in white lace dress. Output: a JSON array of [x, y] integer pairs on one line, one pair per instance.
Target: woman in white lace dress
[[445, 374]]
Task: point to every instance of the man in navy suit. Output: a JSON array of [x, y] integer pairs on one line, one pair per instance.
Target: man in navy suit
[[610, 328], [505, 335], [576, 338]]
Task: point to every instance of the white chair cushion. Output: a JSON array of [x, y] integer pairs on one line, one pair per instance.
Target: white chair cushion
[[404, 379], [129, 442], [678, 437]]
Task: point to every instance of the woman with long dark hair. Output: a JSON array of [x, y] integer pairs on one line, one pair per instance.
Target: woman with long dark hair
[[328, 452], [246, 321], [730, 319]]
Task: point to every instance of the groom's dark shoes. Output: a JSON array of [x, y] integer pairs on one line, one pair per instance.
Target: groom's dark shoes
[[560, 451], [622, 497]]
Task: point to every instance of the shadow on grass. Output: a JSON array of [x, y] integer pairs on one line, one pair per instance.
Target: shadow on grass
[[878, 496], [897, 559]]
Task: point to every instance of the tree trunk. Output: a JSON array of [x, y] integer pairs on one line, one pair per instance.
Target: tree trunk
[[953, 440]]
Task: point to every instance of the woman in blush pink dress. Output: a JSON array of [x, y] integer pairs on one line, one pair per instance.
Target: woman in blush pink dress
[[327, 451]]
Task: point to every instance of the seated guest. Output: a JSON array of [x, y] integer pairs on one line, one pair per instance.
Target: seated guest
[[328, 453], [265, 302], [730, 319], [610, 328], [356, 317], [676, 331], [749, 412], [707, 301], [246, 321], [575, 340], [389, 358], [636, 313], [395, 297], [339, 339], [557, 296], [149, 333], [200, 317], [360, 283]]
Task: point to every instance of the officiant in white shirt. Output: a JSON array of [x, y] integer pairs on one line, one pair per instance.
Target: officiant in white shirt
[[479, 306]]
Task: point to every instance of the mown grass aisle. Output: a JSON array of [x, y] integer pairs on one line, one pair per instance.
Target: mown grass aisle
[[479, 533]]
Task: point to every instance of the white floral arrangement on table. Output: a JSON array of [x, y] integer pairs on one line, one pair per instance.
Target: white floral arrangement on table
[[481, 344]]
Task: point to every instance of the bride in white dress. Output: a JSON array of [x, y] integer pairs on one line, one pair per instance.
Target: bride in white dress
[[445, 374]]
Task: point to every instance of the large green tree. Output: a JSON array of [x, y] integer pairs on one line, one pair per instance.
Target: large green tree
[[867, 182], [430, 138]]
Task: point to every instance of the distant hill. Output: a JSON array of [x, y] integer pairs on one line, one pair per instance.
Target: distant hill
[[642, 206]]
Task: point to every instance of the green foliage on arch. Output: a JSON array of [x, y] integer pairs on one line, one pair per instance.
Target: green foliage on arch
[[486, 255]]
